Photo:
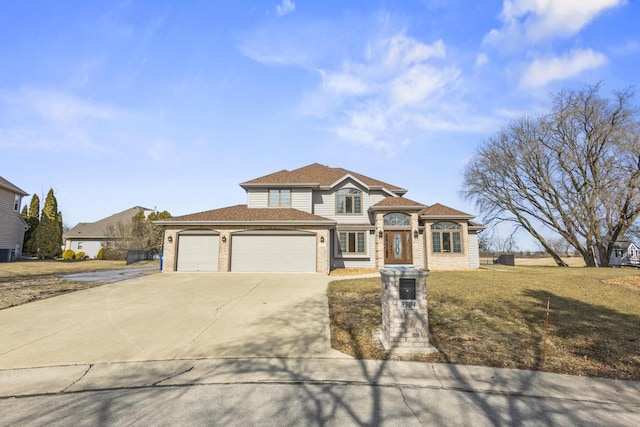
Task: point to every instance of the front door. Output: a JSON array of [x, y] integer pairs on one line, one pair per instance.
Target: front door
[[397, 247]]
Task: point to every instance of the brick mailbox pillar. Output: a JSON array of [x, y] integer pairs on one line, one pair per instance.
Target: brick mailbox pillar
[[405, 321]]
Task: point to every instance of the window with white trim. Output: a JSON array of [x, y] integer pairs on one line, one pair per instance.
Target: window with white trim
[[446, 237], [16, 203], [280, 197], [352, 242], [348, 201], [397, 219]]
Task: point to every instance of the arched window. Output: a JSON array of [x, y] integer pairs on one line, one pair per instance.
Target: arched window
[[348, 201], [446, 237], [397, 219]]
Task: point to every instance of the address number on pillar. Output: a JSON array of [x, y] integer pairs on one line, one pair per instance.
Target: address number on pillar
[[408, 304]]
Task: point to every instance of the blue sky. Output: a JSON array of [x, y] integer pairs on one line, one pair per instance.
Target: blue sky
[[172, 104]]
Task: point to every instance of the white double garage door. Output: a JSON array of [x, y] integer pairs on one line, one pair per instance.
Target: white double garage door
[[259, 252]]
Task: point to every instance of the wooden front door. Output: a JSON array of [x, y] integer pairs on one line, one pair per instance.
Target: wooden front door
[[397, 247]]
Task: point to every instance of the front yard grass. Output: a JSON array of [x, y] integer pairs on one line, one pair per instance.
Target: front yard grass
[[497, 318]]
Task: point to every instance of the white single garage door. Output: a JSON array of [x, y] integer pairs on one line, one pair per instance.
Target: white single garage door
[[197, 252], [273, 253]]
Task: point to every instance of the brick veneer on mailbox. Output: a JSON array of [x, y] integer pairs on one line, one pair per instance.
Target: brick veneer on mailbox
[[404, 330]]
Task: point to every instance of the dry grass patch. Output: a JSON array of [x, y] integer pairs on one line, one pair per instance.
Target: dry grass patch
[[48, 267], [496, 318], [26, 281]]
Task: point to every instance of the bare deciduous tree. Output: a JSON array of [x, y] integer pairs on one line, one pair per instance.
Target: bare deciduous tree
[[138, 234], [574, 171]]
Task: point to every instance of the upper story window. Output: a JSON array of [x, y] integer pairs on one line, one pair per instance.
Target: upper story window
[[280, 197], [349, 201], [16, 203], [397, 219], [446, 237]]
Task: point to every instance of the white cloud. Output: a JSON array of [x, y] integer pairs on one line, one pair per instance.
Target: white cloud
[[343, 83], [405, 51], [286, 7], [64, 107], [379, 92], [481, 60], [532, 21], [400, 87], [545, 70], [54, 121]]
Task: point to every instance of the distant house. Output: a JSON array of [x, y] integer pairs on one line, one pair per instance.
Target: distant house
[[90, 237], [625, 253], [12, 226]]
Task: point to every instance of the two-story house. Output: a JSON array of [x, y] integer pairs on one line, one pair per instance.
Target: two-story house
[[12, 226], [318, 218]]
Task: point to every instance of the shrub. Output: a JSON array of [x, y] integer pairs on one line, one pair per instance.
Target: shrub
[[80, 255], [100, 254], [114, 254], [68, 254]]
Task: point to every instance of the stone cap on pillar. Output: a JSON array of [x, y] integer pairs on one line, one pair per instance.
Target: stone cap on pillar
[[403, 271]]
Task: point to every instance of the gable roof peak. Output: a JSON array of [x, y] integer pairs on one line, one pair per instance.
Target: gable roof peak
[[439, 210], [317, 175], [12, 187]]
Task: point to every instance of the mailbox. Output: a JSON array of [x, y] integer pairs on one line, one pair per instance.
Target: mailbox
[[407, 294], [407, 288]]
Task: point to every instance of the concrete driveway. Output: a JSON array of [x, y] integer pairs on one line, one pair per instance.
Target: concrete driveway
[[172, 316]]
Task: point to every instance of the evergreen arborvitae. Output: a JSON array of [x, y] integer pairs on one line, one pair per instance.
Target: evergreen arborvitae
[[33, 219], [48, 234]]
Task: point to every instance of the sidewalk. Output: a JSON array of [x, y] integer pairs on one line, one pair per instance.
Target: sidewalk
[[153, 374]]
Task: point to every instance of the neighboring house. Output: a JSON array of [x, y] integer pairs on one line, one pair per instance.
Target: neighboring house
[[12, 226], [90, 237], [625, 253], [318, 218]]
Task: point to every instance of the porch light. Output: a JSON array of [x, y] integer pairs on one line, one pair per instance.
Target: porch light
[[380, 234], [415, 233], [321, 239], [224, 239], [170, 239]]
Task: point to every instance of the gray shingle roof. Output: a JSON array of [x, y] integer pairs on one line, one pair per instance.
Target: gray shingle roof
[[317, 175], [241, 213], [439, 210], [98, 229], [9, 186]]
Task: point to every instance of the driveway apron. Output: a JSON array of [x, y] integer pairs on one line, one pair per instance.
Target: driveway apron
[[172, 316]]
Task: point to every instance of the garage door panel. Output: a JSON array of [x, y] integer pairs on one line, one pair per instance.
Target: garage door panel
[[198, 253], [273, 253]]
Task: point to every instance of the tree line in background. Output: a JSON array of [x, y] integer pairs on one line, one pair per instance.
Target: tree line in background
[[43, 238], [573, 173]]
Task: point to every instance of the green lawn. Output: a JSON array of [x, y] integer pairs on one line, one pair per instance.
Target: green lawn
[[497, 318]]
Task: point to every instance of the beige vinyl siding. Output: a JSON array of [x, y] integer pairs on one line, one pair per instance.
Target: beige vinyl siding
[[12, 227], [474, 252], [258, 198], [324, 204], [300, 198]]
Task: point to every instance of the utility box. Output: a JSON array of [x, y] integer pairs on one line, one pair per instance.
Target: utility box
[[405, 319]]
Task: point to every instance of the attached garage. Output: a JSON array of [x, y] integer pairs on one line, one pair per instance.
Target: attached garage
[[273, 252], [198, 252]]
